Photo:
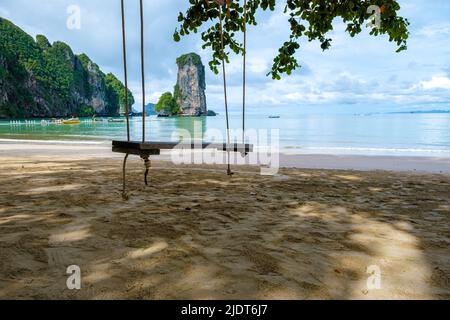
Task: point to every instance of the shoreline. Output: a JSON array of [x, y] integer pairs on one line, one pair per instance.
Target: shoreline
[[102, 149]]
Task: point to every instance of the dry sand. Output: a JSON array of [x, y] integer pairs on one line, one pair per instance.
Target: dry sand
[[196, 233]]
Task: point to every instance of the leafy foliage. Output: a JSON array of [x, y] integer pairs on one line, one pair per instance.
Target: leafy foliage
[[42, 42], [176, 92], [311, 19], [167, 104], [182, 60], [59, 65], [86, 111]]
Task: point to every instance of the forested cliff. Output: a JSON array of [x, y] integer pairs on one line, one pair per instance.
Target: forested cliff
[[39, 79]]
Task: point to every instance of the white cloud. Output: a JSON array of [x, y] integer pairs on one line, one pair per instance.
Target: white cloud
[[436, 82], [258, 65], [435, 30]]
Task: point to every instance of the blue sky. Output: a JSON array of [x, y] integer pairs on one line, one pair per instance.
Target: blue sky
[[359, 74]]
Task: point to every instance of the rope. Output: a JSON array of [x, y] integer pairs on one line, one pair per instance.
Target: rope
[[225, 89], [142, 72], [244, 73], [148, 165], [124, 181], [125, 70], [124, 189]]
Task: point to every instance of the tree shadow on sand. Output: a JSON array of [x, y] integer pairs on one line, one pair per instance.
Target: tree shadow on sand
[[197, 234]]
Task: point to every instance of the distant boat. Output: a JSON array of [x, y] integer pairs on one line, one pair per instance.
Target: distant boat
[[274, 117], [72, 121], [56, 121], [116, 120]]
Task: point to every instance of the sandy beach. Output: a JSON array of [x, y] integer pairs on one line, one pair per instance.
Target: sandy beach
[[309, 232]]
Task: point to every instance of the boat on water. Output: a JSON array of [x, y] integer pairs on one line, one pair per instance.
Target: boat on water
[[116, 120], [72, 121], [274, 117], [56, 121]]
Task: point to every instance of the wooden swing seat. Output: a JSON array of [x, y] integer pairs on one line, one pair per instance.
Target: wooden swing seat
[[155, 147]]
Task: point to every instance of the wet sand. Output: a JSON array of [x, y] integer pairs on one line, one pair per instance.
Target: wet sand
[[100, 149], [196, 233]]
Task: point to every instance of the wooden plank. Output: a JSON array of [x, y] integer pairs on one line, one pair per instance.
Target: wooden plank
[[156, 145], [233, 147], [149, 152]]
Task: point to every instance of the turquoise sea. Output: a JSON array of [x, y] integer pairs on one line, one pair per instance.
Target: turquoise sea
[[369, 134]]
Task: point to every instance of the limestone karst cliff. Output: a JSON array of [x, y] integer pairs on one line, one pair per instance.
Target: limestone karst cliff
[[39, 79], [190, 88], [188, 98]]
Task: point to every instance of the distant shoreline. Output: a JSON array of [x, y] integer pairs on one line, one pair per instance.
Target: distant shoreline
[[404, 112], [420, 112]]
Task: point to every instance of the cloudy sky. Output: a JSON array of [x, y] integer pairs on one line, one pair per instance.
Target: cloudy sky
[[363, 73]]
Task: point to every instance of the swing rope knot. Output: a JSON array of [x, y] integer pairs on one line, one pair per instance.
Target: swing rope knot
[[147, 163]]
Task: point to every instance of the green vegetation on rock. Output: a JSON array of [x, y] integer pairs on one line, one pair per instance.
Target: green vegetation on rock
[[86, 111], [182, 60], [58, 66], [176, 92], [117, 91], [167, 105], [42, 42]]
